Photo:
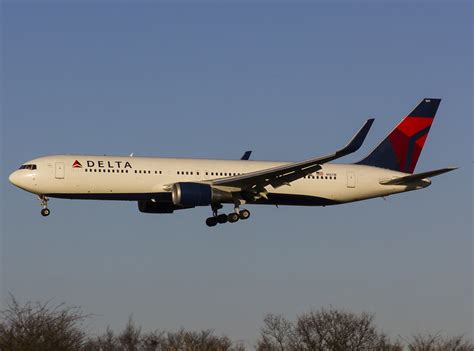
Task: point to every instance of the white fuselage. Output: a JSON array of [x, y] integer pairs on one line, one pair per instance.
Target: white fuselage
[[149, 178]]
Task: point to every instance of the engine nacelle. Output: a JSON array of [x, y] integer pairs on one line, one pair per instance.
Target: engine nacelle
[[156, 207], [197, 194], [191, 194]]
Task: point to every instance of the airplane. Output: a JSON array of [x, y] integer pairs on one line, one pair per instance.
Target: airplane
[[164, 185]]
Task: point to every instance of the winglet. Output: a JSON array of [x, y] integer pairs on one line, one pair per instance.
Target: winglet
[[357, 140], [246, 155]]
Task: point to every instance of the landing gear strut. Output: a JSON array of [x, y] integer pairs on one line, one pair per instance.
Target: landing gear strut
[[223, 218], [44, 203]]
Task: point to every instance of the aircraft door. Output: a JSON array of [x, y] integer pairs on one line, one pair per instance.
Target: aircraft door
[[351, 180], [59, 170]]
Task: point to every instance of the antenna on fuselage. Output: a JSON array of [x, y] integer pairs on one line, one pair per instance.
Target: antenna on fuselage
[[131, 155]]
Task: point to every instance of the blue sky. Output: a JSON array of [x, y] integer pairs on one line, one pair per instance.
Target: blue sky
[[289, 81]]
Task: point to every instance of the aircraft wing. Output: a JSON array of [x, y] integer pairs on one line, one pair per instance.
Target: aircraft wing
[[284, 175]]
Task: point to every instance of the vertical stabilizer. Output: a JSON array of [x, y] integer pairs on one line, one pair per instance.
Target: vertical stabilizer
[[401, 149]]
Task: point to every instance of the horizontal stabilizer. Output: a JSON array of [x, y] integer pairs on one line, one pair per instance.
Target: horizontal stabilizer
[[416, 177]]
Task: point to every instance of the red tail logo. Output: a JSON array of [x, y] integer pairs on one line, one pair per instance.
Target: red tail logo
[[401, 149], [76, 164], [408, 139]]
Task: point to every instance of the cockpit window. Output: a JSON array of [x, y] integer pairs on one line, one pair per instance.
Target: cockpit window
[[31, 167]]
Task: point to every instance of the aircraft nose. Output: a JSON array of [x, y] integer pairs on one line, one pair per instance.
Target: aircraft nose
[[14, 178], [24, 179]]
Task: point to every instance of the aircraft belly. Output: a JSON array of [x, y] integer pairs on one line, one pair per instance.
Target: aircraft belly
[[100, 187]]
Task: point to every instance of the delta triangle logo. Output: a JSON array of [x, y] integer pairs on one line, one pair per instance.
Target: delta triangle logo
[[76, 164]]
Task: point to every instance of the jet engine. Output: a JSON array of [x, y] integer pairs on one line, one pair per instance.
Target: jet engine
[[198, 194]]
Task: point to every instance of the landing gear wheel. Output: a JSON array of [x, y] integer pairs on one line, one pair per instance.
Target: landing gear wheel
[[211, 221], [233, 217], [44, 204], [222, 218], [244, 214]]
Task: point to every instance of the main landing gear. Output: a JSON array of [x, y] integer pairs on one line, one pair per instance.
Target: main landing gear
[[44, 203], [223, 218]]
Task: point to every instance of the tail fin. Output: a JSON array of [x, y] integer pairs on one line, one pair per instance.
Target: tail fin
[[401, 149]]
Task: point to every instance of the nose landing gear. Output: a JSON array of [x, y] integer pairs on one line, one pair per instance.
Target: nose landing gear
[[45, 212]]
